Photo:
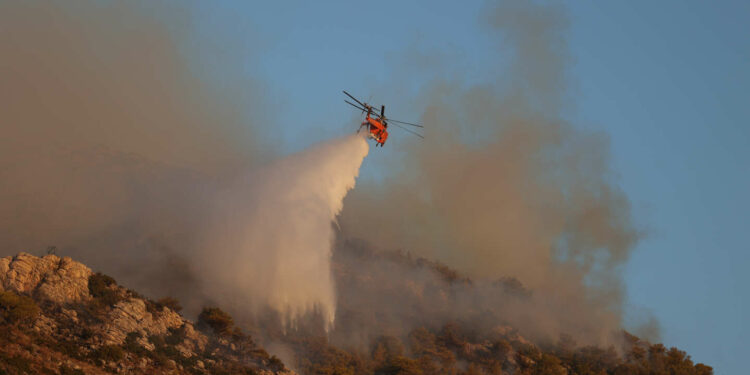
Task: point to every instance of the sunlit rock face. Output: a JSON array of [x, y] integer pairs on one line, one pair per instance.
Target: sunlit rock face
[[86, 321], [51, 278]]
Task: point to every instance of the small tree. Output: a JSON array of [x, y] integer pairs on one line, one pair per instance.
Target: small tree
[[100, 287], [215, 318], [400, 365], [108, 353], [275, 364], [171, 303], [16, 308], [99, 283]]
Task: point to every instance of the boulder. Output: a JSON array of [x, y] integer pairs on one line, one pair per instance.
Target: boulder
[[131, 315], [59, 280]]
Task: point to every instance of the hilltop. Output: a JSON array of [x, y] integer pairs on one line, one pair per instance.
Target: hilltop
[[59, 317]]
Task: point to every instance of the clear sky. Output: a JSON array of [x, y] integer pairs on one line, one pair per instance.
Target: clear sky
[[668, 81]]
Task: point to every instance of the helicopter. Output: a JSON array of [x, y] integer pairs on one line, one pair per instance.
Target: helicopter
[[377, 124]]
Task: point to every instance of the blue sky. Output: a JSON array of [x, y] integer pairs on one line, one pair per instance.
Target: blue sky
[[668, 82]]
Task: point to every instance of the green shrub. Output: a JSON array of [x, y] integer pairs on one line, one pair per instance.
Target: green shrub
[[16, 308], [275, 364], [168, 350], [219, 321], [86, 333], [132, 345], [152, 307], [21, 364], [171, 303], [157, 340], [65, 370], [134, 294], [100, 287], [165, 348], [68, 348], [188, 362], [108, 353], [400, 365], [99, 283], [175, 336]]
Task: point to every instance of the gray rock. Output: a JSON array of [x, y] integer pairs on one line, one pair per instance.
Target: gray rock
[[59, 280], [131, 315]]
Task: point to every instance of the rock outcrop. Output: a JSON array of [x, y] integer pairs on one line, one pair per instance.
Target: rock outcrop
[[131, 315], [65, 317], [51, 278]]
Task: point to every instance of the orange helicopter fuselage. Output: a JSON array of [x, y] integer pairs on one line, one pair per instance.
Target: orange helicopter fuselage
[[378, 131]]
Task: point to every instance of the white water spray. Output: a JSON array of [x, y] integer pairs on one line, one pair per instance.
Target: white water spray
[[270, 243]]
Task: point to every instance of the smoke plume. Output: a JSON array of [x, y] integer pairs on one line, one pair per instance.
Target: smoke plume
[[110, 142], [114, 151], [117, 152], [505, 187]]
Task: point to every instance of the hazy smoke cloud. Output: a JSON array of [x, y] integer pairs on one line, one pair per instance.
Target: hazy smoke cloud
[[105, 131], [109, 142], [114, 151], [392, 293], [503, 186]]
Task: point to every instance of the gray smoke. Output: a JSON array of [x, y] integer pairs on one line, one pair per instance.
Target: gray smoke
[[109, 141], [115, 151], [504, 187]]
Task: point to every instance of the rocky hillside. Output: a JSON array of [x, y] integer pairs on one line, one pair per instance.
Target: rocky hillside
[[59, 317]]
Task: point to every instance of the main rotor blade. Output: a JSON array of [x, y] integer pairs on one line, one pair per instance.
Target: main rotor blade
[[405, 123], [355, 99], [410, 131], [354, 105], [374, 114]]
